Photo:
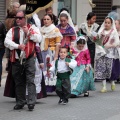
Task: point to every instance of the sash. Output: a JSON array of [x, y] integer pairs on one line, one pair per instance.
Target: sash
[[106, 38]]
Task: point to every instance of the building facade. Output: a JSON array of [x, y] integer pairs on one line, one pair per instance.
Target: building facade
[[77, 8]]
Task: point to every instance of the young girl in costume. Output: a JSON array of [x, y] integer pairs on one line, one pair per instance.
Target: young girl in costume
[[107, 57], [82, 78], [86, 29], [67, 29]]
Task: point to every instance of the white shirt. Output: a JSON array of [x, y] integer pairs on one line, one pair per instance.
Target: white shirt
[[12, 45], [62, 67]]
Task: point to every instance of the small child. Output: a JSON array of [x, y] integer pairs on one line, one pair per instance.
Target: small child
[[82, 77], [63, 67], [107, 65]]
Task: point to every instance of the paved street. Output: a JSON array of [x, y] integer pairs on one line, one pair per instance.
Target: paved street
[[98, 106]]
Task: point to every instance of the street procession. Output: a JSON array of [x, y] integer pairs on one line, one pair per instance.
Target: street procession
[[60, 59]]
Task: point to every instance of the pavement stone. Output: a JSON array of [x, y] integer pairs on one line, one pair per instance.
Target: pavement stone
[[98, 106]]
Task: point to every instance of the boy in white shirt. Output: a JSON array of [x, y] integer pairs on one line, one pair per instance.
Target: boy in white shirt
[[63, 67]]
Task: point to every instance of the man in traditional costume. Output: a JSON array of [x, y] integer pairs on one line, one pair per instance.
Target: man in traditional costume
[[21, 40]]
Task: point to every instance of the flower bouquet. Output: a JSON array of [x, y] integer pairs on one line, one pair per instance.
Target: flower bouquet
[[96, 39], [48, 65]]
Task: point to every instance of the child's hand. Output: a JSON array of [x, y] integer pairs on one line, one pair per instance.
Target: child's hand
[[67, 63], [87, 69]]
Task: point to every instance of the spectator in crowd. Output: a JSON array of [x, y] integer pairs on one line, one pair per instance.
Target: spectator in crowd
[[2, 48], [50, 11], [114, 13]]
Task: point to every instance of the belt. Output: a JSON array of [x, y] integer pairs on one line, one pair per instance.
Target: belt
[[51, 45], [17, 60]]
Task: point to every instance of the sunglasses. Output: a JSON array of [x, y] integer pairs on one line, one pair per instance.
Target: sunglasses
[[20, 18]]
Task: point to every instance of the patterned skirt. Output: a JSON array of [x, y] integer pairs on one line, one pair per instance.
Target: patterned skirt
[[49, 82], [107, 68], [81, 81]]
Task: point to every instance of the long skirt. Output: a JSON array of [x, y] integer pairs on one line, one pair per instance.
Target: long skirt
[[81, 81], [107, 68], [50, 82]]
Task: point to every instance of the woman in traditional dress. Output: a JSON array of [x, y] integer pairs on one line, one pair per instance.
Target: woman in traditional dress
[[66, 28], [107, 54], [86, 29], [50, 48], [117, 23], [82, 77]]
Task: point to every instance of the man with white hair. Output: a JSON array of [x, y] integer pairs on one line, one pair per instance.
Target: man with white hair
[[16, 6]]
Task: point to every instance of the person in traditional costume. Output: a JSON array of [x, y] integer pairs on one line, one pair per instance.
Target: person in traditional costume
[[86, 29], [67, 29], [9, 90], [9, 23], [117, 24], [21, 40], [39, 64], [107, 54], [82, 77], [2, 47], [50, 47], [39, 77], [63, 68]]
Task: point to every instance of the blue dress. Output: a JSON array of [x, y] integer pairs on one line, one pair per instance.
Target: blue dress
[[81, 81]]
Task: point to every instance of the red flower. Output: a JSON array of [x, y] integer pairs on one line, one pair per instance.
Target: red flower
[[94, 38], [48, 66], [48, 59]]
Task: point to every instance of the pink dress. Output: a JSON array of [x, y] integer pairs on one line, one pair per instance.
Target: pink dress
[[83, 57]]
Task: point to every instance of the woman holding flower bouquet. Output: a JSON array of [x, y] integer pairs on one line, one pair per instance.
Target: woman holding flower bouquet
[[50, 48], [86, 29], [107, 54]]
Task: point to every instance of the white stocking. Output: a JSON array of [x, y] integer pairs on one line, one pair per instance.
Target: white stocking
[[104, 84], [113, 82]]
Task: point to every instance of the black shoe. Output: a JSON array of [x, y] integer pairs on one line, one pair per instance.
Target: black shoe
[[18, 107], [60, 101], [65, 101], [86, 94], [31, 107]]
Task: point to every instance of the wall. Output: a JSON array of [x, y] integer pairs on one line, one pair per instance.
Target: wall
[[83, 8], [117, 2], [8, 2]]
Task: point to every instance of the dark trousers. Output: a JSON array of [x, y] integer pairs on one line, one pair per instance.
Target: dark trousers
[[91, 48], [2, 51], [63, 88], [23, 80]]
